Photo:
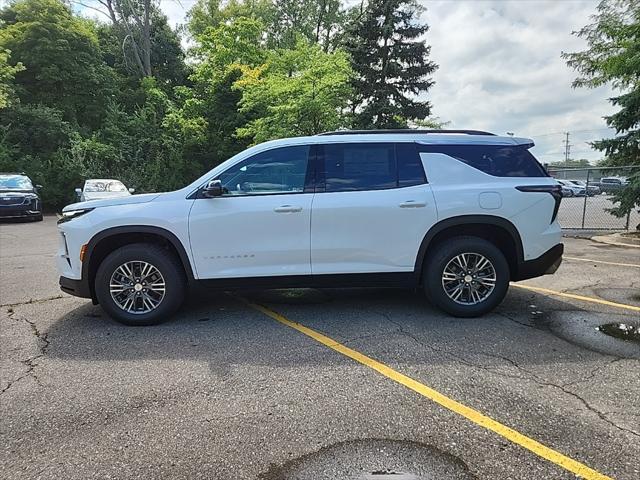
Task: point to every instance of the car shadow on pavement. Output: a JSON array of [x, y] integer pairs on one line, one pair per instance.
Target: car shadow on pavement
[[222, 330]]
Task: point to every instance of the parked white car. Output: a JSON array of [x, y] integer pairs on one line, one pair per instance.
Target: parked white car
[[459, 214], [570, 189], [100, 189]]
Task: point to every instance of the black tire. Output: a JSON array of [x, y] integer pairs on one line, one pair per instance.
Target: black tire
[[164, 261], [38, 218], [445, 252]]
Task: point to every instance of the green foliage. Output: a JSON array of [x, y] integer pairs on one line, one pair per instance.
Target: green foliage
[[301, 91], [391, 64], [33, 139], [613, 57], [7, 74], [61, 57], [571, 163]]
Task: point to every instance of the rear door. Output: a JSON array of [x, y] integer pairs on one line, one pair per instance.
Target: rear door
[[371, 210]]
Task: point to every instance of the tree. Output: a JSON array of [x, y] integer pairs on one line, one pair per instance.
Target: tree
[[213, 13], [61, 58], [318, 21], [167, 57], [613, 57], [391, 64], [221, 56], [7, 74], [301, 91]]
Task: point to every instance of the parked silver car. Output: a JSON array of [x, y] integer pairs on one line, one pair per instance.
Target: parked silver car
[[98, 189], [591, 189]]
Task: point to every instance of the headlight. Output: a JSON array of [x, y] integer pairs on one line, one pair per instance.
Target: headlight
[[70, 215], [29, 198]]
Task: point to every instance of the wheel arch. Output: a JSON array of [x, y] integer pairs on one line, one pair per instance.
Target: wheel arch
[[498, 230], [110, 239]]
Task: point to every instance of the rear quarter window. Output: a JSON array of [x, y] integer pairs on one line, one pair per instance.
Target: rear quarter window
[[496, 160]]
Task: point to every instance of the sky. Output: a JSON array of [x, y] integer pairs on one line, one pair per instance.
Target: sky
[[500, 70]]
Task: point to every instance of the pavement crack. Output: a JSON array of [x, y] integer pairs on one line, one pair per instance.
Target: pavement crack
[[31, 362], [511, 319], [31, 301], [528, 375]]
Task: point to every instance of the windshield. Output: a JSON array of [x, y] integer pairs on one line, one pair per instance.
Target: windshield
[[104, 186], [15, 182]]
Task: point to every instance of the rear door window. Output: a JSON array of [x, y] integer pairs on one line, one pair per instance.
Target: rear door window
[[496, 160], [344, 167], [357, 166]]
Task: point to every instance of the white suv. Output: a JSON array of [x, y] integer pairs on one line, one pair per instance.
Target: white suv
[[458, 212]]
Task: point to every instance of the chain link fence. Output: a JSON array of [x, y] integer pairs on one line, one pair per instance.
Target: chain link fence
[[587, 197]]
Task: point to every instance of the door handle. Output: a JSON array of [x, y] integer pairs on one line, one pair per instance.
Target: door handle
[[287, 209], [412, 204]]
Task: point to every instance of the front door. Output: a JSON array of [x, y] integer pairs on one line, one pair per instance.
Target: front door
[[260, 226]]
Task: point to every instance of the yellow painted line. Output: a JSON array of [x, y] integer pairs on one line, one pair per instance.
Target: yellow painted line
[[582, 298], [469, 413], [601, 261]]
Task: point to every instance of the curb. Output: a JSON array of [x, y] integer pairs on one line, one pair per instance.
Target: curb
[[614, 240]]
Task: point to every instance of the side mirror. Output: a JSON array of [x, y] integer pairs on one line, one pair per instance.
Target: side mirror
[[131, 190], [38, 187], [212, 189], [79, 191]]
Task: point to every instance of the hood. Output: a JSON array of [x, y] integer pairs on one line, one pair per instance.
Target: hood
[[16, 193], [109, 202], [101, 195]]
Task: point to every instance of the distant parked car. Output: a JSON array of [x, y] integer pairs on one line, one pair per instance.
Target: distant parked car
[[19, 197], [613, 184], [571, 189], [99, 189], [591, 188]]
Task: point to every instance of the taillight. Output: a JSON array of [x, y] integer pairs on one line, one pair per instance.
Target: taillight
[[554, 190]]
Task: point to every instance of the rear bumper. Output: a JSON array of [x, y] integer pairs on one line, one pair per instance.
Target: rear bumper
[[545, 264], [78, 288]]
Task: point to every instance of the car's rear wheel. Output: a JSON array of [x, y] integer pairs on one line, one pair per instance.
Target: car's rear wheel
[[140, 284], [466, 276]]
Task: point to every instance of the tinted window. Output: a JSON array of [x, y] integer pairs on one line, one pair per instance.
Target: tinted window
[[280, 170], [496, 160], [358, 166], [410, 170]]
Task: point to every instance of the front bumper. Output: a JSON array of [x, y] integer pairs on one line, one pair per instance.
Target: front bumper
[[78, 288], [19, 211], [545, 264]]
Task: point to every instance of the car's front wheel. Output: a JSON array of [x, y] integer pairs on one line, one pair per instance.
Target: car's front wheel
[[466, 276], [140, 284]]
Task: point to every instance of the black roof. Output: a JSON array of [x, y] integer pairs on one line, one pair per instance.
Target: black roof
[[404, 130]]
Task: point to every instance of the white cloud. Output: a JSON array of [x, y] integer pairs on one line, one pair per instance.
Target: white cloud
[[500, 70]]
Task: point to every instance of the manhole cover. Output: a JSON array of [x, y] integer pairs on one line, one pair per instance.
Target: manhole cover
[[372, 459], [623, 331]]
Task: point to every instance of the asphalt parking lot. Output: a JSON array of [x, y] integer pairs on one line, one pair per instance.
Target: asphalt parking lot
[[308, 384]]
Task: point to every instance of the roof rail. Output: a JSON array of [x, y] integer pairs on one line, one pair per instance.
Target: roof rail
[[404, 130]]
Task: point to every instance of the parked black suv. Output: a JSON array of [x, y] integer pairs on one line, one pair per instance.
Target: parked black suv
[[19, 197]]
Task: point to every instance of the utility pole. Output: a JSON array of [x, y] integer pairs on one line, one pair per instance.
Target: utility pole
[[567, 149]]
